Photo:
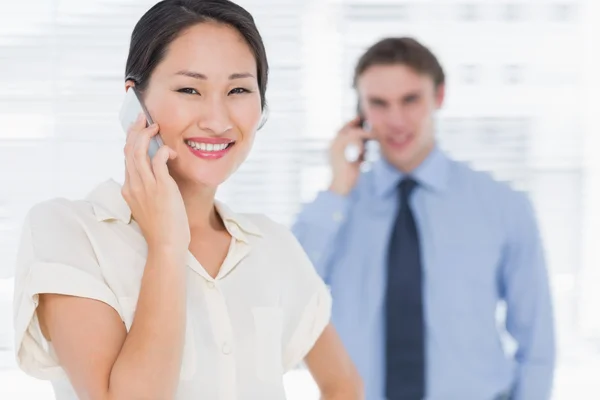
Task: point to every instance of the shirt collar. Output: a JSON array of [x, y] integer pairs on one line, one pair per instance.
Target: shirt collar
[[237, 225], [433, 174], [109, 205]]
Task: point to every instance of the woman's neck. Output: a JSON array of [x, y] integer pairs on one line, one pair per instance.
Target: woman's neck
[[199, 203]]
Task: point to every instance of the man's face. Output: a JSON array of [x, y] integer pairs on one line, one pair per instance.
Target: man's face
[[399, 104]]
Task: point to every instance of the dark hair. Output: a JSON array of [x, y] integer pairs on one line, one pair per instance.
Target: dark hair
[[405, 51], [166, 20]]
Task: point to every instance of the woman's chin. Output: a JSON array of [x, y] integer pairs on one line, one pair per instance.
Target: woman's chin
[[205, 175], [209, 179]]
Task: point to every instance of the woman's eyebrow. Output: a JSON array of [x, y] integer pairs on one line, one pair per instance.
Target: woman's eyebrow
[[198, 75]]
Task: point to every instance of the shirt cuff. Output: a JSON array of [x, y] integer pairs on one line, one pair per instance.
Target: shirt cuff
[[33, 352]]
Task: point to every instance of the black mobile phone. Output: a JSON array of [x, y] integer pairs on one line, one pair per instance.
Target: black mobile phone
[[361, 116], [352, 152]]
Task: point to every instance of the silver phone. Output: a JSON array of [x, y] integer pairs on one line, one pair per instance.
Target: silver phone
[[131, 108]]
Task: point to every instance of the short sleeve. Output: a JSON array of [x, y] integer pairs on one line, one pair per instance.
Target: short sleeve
[[307, 303], [55, 255]]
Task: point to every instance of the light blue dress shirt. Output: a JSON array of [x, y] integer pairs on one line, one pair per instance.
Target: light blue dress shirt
[[480, 246]]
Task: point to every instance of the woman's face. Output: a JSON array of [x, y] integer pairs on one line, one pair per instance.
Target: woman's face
[[205, 98]]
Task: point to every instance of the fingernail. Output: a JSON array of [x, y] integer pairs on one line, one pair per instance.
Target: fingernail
[[140, 117]]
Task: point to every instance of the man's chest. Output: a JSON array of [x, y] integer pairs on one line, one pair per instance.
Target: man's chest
[[460, 252]]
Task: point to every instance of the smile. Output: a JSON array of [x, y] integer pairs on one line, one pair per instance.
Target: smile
[[209, 148]]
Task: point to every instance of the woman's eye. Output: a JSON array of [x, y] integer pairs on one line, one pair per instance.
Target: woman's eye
[[188, 91], [239, 90]]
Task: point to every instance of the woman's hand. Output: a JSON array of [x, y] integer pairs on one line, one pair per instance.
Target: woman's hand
[[152, 194]]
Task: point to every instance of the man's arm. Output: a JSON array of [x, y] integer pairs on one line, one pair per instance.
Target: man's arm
[[526, 290], [318, 226]]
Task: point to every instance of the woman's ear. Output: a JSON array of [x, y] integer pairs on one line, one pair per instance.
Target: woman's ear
[[129, 84], [263, 118]]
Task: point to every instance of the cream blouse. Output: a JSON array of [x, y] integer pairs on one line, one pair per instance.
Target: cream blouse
[[256, 320]]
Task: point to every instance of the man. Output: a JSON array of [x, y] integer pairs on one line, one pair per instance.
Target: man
[[420, 251]]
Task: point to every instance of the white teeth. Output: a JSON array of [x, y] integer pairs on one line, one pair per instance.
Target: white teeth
[[207, 146]]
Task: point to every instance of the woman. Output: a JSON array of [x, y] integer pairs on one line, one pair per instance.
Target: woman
[[154, 290]]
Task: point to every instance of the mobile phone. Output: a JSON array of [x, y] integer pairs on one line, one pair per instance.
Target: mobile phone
[[352, 152], [130, 110]]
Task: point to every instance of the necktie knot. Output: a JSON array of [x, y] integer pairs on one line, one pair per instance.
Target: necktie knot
[[407, 185]]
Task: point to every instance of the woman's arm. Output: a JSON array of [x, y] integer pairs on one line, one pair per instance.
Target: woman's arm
[[332, 368], [102, 361]]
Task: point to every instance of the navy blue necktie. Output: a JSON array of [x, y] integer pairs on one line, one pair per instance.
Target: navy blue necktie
[[405, 348]]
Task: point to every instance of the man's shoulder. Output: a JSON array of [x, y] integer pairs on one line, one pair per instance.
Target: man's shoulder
[[490, 198], [483, 181], [492, 194]]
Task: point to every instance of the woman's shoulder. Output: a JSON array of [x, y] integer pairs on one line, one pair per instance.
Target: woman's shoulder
[[277, 236], [55, 230], [255, 224], [59, 214], [263, 222], [62, 225]]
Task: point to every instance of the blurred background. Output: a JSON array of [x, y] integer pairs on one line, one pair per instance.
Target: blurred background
[[523, 80]]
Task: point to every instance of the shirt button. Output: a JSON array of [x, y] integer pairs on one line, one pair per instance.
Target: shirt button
[[210, 284], [226, 349]]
